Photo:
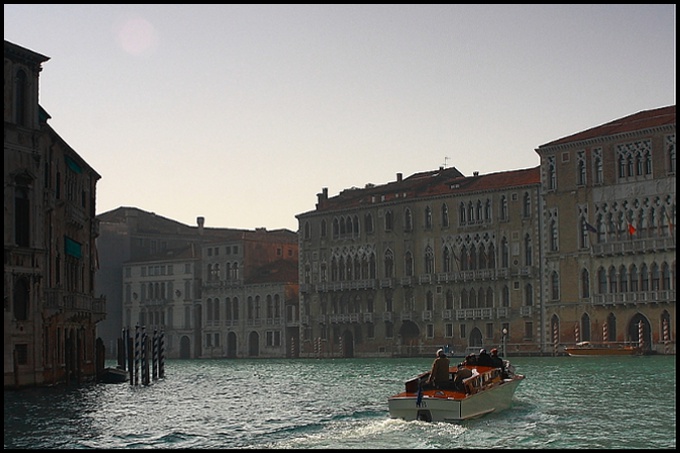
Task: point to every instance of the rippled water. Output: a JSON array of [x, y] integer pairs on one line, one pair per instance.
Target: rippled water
[[565, 402]]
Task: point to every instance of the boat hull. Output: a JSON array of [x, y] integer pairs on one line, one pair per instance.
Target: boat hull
[[588, 352], [114, 376], [448, 406]]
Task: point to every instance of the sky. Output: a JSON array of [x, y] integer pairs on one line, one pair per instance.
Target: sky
[[242, 114]]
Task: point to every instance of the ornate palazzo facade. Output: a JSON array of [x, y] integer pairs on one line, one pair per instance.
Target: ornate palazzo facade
[[580, 248], [50, 311]]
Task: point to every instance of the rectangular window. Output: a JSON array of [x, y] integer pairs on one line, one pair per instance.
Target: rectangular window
[[21, 351], [463, 333], [430, 331], [528, 330]]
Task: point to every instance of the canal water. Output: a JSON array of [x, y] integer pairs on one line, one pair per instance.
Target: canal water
[[564, 402]]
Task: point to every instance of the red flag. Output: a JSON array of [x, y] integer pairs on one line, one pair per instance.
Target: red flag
[[631, 229]]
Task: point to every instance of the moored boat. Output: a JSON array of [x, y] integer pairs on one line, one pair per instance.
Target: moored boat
[[587, 349], [487, 390], [114, 375]]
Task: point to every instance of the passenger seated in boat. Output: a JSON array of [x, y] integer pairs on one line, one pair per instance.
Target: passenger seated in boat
[[470, 359], [439, 374], [484, 359], [461, 374], [498, 363]]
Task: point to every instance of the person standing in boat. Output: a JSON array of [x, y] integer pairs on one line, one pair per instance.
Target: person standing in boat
[[439, 374]]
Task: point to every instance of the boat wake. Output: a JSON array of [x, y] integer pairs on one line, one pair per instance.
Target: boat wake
[[375, 430]]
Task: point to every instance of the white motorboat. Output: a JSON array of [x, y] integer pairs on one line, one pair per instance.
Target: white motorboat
[[487, 390]]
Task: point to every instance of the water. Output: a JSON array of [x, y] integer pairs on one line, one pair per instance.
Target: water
[[565, 402]]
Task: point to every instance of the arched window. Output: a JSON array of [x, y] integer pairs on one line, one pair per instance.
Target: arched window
[[389, 221], [552, 177], [446, 260], [449, 299], [526, 205], [644, 278], [554, 286], [389, 264], [429, 260], [408, 220], [623, 279], [655, 277], [504, 207], [368, 223], [613, 286], [634, 279], [585, 283], [428, 217], [528, 251], [445, 215], [602, 281], [408, 264]]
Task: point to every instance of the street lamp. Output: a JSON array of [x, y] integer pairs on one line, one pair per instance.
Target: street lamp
[[505, 335]]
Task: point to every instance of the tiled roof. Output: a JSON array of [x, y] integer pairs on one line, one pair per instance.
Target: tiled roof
[[429, 184], [638, 121]]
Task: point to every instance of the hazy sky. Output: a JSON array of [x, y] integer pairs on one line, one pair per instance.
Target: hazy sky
[[243, 113]]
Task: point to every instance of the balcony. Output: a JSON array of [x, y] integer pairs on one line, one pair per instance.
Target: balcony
[[526, 311], [618, 248], [406, 281], [642, 297], [474, 313], [386, 283], [427, 315], [368, 317], [74, 305], [447, 314]]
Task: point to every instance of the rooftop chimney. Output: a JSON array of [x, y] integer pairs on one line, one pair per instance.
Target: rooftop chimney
[[399, 176], [200, 221]]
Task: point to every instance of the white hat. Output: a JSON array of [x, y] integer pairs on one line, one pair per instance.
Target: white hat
[[482, 351], [440, 352]]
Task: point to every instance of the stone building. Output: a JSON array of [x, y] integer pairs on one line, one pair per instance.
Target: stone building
[[580, 248], [213, 292], [50, 228], [609, 233], [129, 234], [250, 305], [433, 259]]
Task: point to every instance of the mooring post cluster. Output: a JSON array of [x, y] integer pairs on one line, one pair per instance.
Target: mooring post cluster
[[141, 352]]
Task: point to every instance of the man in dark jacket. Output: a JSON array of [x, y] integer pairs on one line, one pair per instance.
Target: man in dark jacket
[[484, 358], [498, 362]]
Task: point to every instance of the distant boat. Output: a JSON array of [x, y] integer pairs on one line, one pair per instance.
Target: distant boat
[[587, 349], [114, 375]]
